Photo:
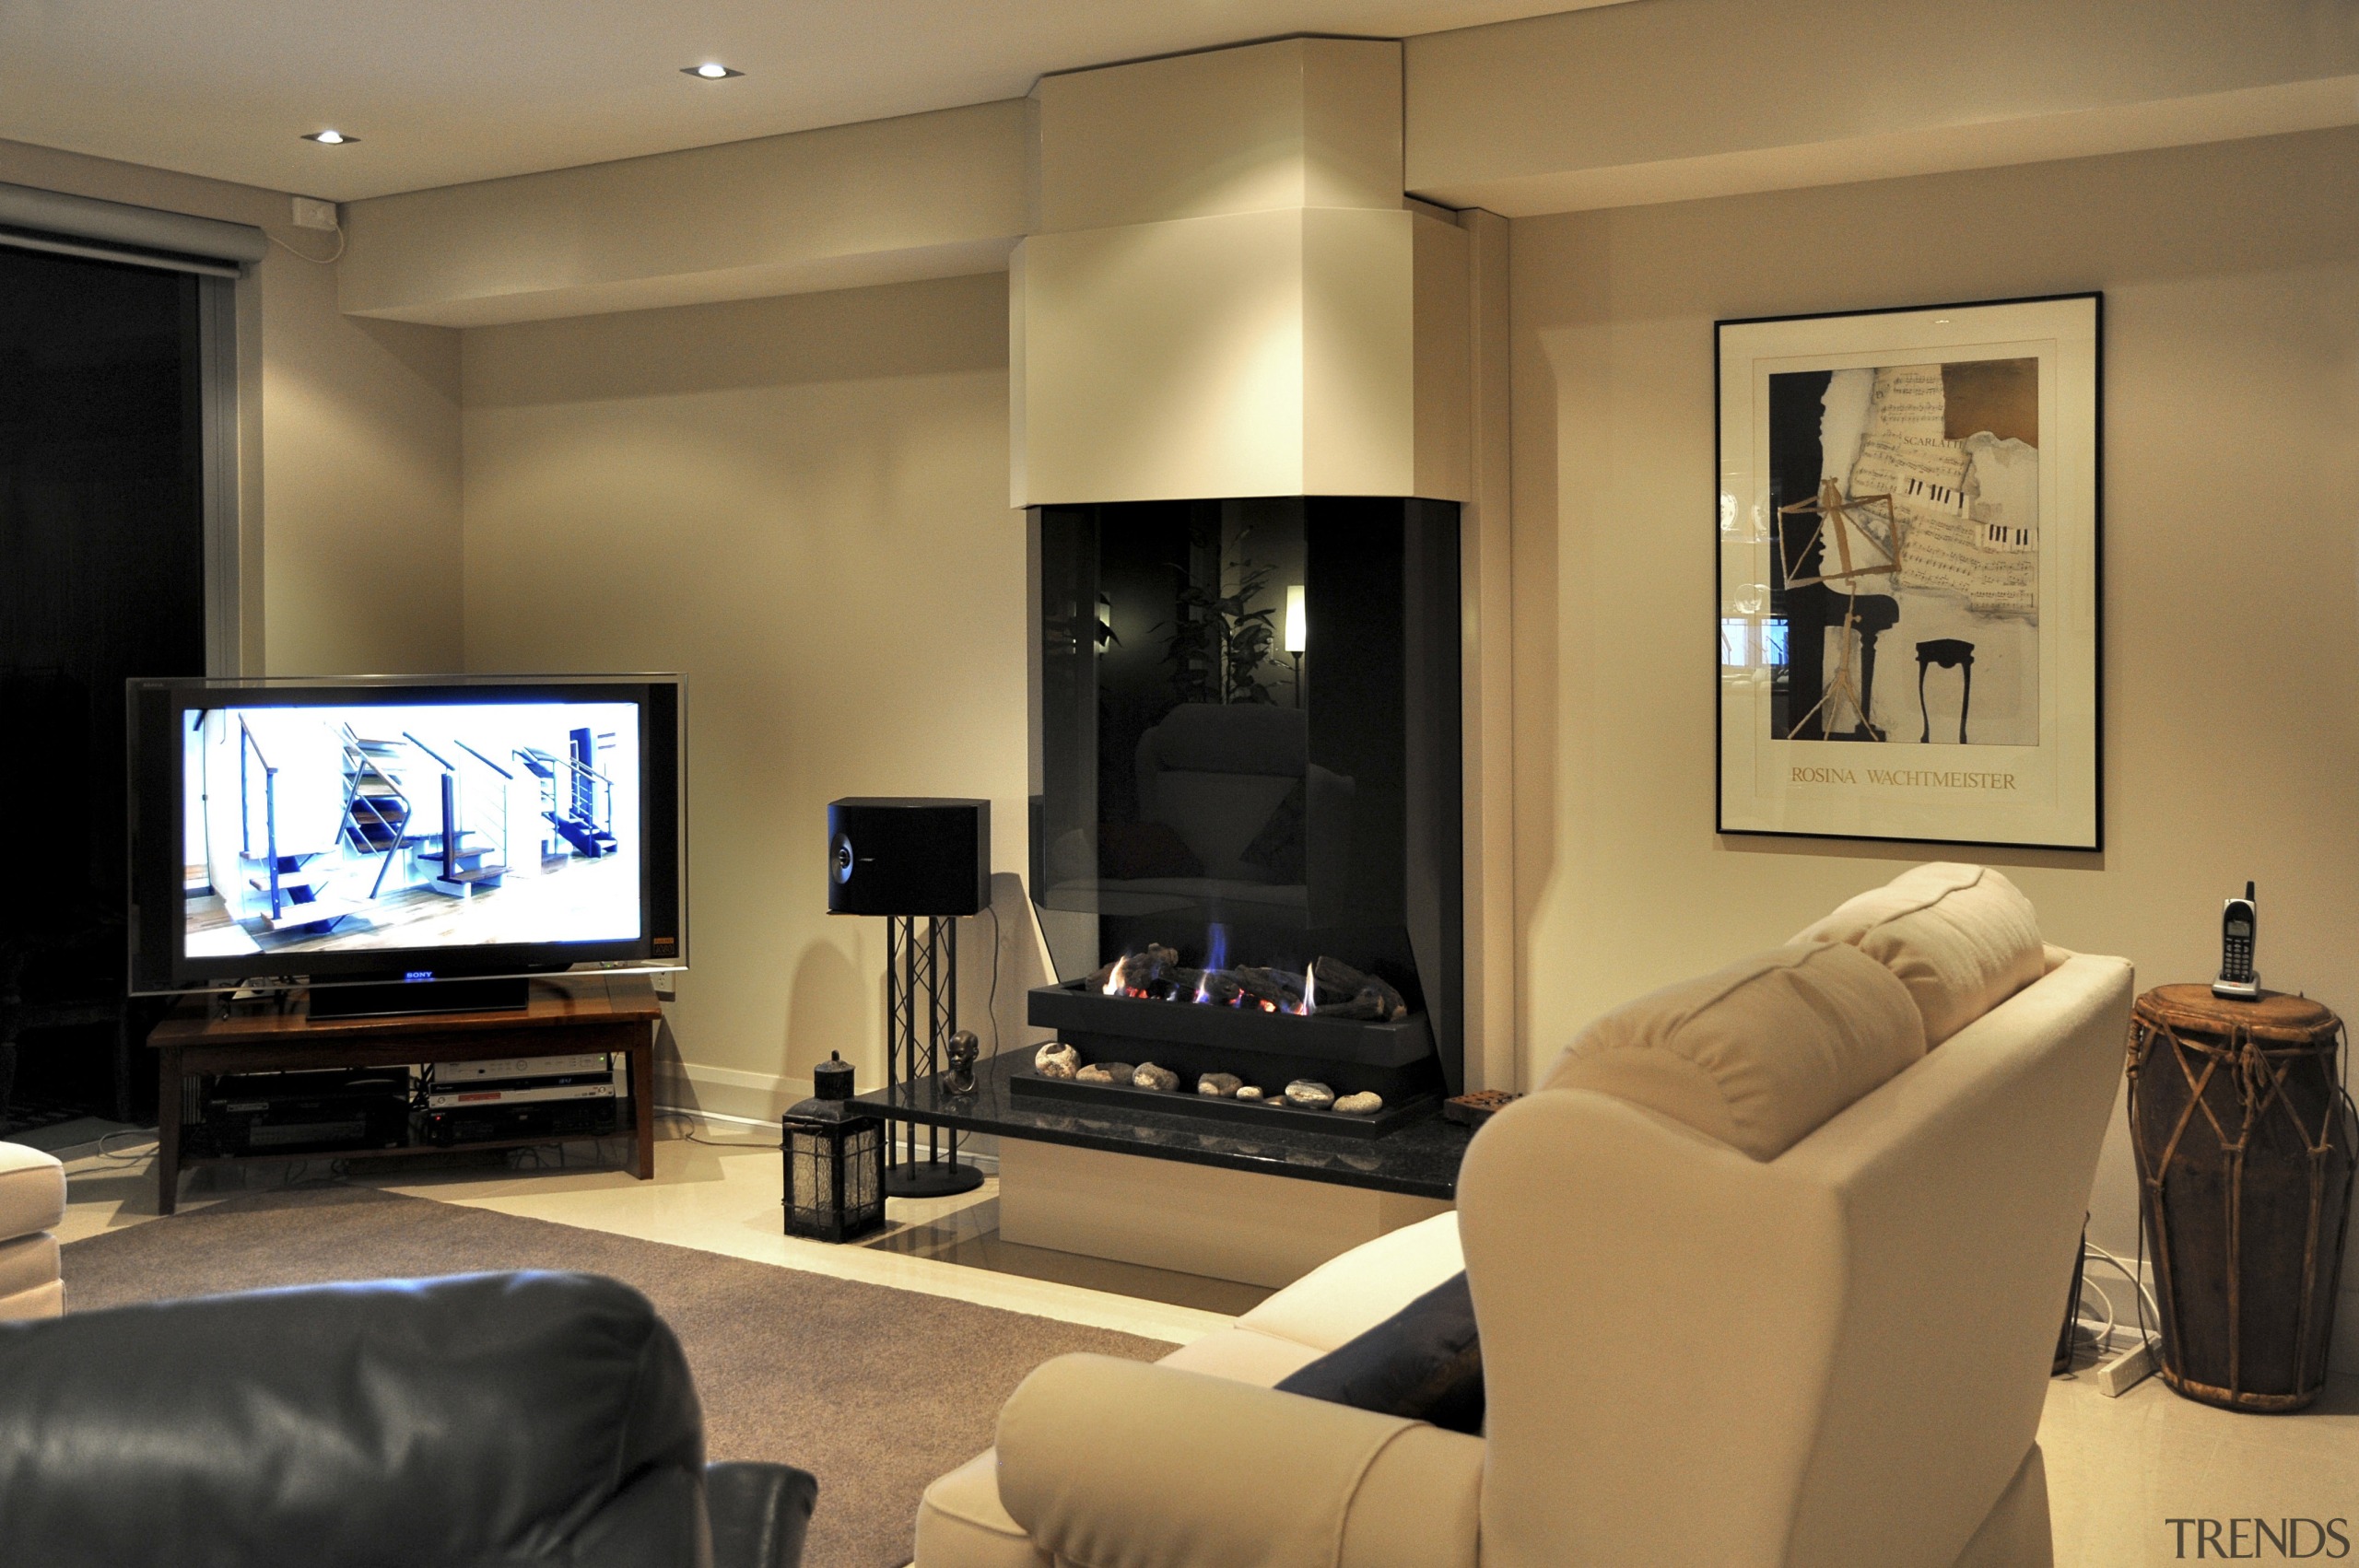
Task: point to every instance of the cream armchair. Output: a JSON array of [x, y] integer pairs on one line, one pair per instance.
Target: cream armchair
[[1832, 1358], [32, 1199]]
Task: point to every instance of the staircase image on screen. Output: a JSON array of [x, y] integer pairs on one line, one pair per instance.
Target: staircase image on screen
[[325, 829], [571, 788]]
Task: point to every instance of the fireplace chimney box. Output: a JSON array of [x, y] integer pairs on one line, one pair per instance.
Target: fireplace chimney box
[[1228, 294], [1300, 123]]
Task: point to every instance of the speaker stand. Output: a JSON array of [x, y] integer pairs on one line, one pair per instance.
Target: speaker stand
[[920, 1014]]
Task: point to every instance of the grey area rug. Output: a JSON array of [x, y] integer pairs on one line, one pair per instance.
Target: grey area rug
[[876, 1391]]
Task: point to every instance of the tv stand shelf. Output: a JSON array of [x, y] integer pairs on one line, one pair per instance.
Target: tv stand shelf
[[575, 1015]]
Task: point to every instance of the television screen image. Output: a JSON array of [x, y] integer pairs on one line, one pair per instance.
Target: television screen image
[[312, 828]]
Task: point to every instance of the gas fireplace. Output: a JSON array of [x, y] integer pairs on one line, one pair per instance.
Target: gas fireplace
[[1246, 840], [1329, 988]]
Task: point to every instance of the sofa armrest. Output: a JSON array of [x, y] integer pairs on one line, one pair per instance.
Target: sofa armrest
[[1123, 1464], [760, 1514], [32, 1191], [1659, 1314]]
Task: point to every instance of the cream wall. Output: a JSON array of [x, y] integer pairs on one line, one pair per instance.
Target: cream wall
[[800, 504], [350, 471], [2231, 598], [360, 481]]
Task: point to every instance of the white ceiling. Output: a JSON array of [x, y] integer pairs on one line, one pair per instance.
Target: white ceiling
[[441, 91]]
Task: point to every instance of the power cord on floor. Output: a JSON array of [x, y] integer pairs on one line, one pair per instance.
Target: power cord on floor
[[713, 1143], [558, 1155], [2144, 1300], [2101, 1333], [298, 1173], [128, 1156], [2101, 1338]]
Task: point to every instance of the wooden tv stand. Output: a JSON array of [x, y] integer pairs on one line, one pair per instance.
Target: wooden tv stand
[[575, 1013]]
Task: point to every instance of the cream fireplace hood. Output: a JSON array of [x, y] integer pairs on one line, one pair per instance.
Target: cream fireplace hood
[[1226, 293]]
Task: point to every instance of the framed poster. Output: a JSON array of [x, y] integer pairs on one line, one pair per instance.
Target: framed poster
[[1909, 574]]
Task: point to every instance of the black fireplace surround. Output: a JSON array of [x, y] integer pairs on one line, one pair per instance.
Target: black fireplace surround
[[1246, 737]]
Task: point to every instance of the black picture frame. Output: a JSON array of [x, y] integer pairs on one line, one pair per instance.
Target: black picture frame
[[1786, 767]]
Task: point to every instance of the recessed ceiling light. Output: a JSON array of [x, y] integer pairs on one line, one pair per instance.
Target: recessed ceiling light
[[711, 71], [330, 138]]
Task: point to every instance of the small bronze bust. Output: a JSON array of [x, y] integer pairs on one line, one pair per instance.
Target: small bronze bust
[[964, 1047]]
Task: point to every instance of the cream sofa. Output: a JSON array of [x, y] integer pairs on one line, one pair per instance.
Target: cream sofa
[[1692, 1356], [32, 1199]]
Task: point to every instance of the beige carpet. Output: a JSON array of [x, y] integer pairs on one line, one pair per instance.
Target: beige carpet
[[876, 1391]]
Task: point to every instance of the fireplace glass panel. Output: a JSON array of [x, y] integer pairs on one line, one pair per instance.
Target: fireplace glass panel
[[1246, 738]]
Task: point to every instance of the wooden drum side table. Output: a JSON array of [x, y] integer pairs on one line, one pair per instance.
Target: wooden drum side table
[[575, 1015], [2244, 1138]]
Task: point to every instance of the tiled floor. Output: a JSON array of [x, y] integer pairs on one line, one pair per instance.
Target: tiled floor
[[2118, 1469], [727, 1198]]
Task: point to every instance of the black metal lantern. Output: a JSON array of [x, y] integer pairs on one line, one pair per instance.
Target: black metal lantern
[[835, 1161]]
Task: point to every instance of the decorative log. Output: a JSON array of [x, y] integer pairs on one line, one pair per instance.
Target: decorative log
[[1344, 992]]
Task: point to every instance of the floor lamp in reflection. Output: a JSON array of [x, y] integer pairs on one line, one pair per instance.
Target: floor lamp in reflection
[[1297, 634]]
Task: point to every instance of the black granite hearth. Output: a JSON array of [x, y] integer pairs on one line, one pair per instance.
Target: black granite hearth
[[1420, 1160], [1099, 1099]]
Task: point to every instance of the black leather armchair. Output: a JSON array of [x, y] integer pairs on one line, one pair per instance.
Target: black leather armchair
[[483, 1419]]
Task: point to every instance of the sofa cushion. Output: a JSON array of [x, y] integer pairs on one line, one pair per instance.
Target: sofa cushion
[[1962, 939], [1425, 1362], [1243, 1355], [32, 1191], [27, 1263], [1283, 845], [1349, 1294], [1756, 1054]]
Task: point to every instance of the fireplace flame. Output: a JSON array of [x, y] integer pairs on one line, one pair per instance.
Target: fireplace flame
[[1157, 974]]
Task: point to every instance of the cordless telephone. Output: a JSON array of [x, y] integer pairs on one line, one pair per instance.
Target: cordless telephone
[[2238, 976]]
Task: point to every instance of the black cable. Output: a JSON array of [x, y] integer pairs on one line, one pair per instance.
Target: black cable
[[2138, 1290], [2138, 1285], [128, 1156], [992, 1006]]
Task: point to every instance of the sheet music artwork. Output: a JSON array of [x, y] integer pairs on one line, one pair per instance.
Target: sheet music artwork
[[1945, 649]]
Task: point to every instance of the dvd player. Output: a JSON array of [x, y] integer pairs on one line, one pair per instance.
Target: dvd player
[[307, 1112], [536, 1119]]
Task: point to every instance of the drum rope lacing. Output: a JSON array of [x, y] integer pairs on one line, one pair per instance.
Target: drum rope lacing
[[2260, 1082]]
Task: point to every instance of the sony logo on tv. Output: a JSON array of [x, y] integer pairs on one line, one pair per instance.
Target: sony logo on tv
[[2244, 1538]]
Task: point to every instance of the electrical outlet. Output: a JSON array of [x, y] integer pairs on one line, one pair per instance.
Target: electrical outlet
[[313, 214], [664, 987]]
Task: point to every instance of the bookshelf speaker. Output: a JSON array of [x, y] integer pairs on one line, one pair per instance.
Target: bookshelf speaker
[[895, 854]]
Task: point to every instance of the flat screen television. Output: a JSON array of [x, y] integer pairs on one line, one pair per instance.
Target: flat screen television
[[392, 831]]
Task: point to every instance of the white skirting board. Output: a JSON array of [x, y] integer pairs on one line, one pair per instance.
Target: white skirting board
[[725, 1091], [1225, 1224], [978, 1150]]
